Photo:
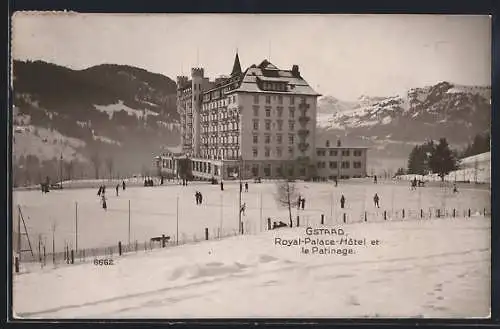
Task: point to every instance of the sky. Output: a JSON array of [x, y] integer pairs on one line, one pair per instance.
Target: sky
[[344, 56]]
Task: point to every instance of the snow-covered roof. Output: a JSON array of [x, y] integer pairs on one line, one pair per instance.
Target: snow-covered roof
[[268, 72], [483, 157]]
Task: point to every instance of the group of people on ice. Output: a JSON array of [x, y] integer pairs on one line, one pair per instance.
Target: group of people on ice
[[199, 197], [102, 193], [301, 202]]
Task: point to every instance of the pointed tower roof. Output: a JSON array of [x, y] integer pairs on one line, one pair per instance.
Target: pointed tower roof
[[236, 65]]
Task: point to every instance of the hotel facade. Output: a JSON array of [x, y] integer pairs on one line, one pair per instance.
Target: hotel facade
[[260, 122]]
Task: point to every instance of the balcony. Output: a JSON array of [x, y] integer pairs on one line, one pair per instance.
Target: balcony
[[303, 119], [304, 106], [303, 147], [303, 133]]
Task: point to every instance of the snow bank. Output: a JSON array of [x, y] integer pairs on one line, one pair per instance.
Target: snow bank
[[435, 268]]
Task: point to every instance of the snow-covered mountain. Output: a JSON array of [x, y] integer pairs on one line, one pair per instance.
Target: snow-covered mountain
[[443, 110], [392, 125], [107, 111]]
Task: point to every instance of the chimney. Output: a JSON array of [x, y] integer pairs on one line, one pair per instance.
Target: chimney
[[295, 71]]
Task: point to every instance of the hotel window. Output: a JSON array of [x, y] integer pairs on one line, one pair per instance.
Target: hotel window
[[255, 152], [357, 153], [280, 125], [279, 138], [256, 99], [255, 110], [290, 139], [280, 111], [268, 99], [255, 124], [291, 125], [267, 139], [345, 164], [267, 152], [280, 99], [234, 99], [333, 165], [290, 151], [320, 153], [292, 112], [268, 124], [267, 170], [292, 100], [268, 112], [279, 171], [279, 152], [333, 153], [345, 153], [356, 164], [327, 144]]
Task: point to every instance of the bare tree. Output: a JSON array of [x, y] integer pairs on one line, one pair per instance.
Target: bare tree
[[96, 161], [287, 195], [109, 165]]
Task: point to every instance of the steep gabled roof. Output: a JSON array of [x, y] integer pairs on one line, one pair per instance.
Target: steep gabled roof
[[236, 66]]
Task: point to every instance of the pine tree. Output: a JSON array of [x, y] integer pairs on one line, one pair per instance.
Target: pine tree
[[442, 160]]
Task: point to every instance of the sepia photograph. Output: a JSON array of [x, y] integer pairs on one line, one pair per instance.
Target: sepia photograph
[[262, 166]]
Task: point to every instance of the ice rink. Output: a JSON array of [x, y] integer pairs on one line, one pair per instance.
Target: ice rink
[[154, 210]]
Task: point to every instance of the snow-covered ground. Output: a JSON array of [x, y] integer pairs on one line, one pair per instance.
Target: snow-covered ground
[[154, 211], [436, 268]]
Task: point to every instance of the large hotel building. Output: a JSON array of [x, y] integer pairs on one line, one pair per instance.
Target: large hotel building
[[260, 122]]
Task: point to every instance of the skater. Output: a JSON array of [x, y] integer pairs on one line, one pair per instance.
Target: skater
[[123, 185], [375, 200], [104, 205], [246, 186], [375, 179], [303, 203], [336, 182], [103, 189], [197, 197], [221, 186], [200, 197], [99, 191], [117, 188], [161, 180], [299, 202], [455, 190], [242, 209], [342, 201]]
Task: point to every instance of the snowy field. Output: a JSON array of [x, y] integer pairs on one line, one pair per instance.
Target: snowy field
[[154, 211], [437, 268]]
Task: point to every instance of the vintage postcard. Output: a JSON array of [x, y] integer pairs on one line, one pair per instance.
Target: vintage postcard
[[182, 166]]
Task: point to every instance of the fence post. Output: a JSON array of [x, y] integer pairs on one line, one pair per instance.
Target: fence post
[[385, 215], [298, 221], [16, 264], [119, 248], [345, 219], [322, 219], [366, 218], [72, 257], [268, 223]]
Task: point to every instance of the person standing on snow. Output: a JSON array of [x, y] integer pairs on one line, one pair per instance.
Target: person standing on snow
[[342, 201], [376, 200]]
